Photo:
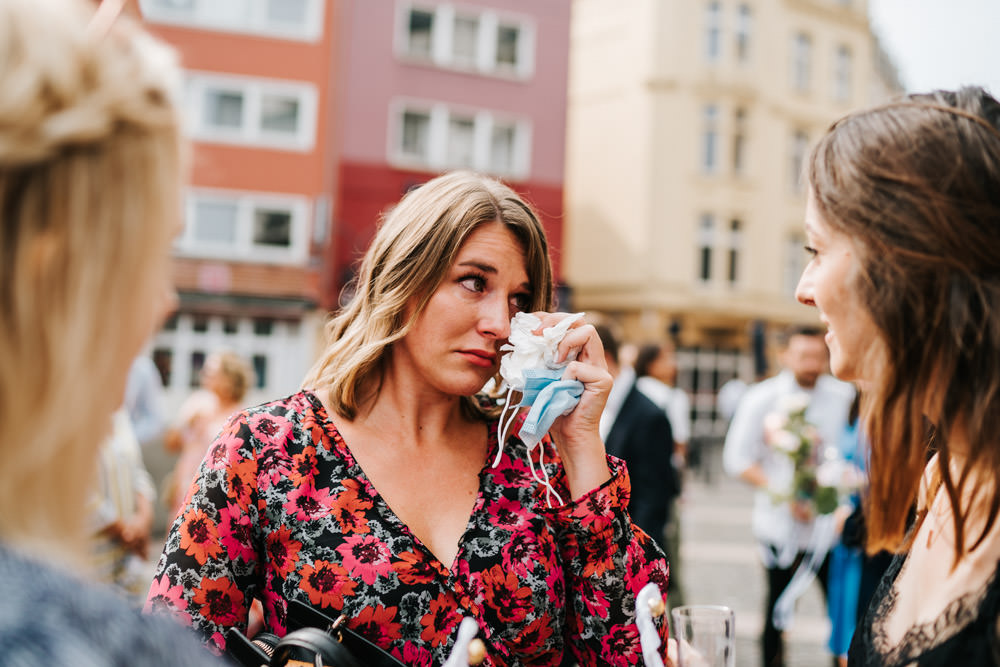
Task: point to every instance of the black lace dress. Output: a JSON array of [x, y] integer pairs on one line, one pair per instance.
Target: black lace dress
[[966, 633]]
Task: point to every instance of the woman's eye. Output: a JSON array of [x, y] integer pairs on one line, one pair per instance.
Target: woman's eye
[[521, 302], [810, 251], [473, 283]]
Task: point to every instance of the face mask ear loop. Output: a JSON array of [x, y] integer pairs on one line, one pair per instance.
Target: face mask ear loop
[[504, 427], [550, 490]]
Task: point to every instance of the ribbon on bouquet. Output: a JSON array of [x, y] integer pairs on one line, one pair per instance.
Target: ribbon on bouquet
[[821, 540]]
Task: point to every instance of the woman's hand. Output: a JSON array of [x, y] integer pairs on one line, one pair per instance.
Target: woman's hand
[[576, 435]]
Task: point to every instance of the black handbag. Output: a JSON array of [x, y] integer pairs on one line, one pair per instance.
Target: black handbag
[[313, 639]]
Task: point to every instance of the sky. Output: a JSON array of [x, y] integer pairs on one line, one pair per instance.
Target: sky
[[941, 43]]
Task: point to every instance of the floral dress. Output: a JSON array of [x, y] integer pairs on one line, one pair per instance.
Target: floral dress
[[281, 510]]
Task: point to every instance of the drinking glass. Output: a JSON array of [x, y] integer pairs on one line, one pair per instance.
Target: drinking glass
[[705, 635]]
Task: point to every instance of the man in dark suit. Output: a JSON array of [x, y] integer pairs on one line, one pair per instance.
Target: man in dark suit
[[637, 431]]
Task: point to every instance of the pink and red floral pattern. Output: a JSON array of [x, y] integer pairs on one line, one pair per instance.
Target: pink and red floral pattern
[[281, 510]]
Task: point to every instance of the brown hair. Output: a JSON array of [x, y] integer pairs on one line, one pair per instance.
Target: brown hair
[[412, 252], [916, 185]]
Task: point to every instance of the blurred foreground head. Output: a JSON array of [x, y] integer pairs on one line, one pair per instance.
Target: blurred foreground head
[[90, 171]]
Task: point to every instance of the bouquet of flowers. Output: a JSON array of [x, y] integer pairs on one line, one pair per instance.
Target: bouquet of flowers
[[821, 476]]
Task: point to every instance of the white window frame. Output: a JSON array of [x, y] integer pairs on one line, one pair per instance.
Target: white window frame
[[709, 145], [443, 33], [713, 31], [707, 229], [801, 61], [243, 248], [797, 156], [734, 256], [253, 89], [253, 18], [437, 141], [744, 33], [741, 141]]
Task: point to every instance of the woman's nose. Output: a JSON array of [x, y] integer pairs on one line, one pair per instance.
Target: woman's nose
[[804, 290], [494, 318]]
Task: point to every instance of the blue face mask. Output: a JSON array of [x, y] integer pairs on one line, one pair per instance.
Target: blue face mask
[[548, 396]]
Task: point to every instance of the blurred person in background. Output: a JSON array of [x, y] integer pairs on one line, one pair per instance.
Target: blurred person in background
[[144, 401], [903, 224], [656, 372], [123, 512], [90, 186], [784, 527], [224, 380], [637, 431]]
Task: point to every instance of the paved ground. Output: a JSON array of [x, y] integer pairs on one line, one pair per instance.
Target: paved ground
[[720, 566]]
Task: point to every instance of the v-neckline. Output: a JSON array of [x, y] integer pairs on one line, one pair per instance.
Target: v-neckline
[[338, 440]]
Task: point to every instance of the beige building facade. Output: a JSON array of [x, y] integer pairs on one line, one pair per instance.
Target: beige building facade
[[688, 125]]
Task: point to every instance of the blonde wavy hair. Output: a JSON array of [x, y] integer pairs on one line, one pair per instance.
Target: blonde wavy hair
[[412, 252], [90, 166]]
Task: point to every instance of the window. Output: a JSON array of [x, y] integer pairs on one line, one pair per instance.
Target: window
[[842, 74], [416, 128], [710, 135], [260, 370], [713, 31], [419, 34], [247, 226], [461, 141], [744, 29], [214, 222], [484, 41], [163, 359], [223, 108], [508, 42], [800, 143], [801, 57], [432, 136], [272, 113], [739, 141], [735, 245], [706, 240], [194, 372], [272, 227], [465, 41], [279, 113], [300, 20], [503, 148]]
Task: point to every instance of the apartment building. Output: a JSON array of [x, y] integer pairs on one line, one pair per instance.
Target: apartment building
[[433, 85], [688, 126], [260, 78]]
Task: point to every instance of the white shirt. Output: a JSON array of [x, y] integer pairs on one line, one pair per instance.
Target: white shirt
[[829, 403], [616, 397], [674, 401]]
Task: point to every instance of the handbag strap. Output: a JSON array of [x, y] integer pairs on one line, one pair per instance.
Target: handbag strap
[[367, 653]]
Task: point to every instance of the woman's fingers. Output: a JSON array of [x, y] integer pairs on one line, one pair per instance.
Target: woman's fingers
[[580, 343]]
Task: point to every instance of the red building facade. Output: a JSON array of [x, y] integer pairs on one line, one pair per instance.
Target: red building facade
[[432, 85]]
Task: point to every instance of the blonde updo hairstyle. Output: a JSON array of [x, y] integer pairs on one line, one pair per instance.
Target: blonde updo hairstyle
[[90, 167], [413, 250]]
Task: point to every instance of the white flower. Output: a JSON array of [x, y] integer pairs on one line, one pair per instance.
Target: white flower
[[785, 441], [527, 350], [774, 422], [793, 403]]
